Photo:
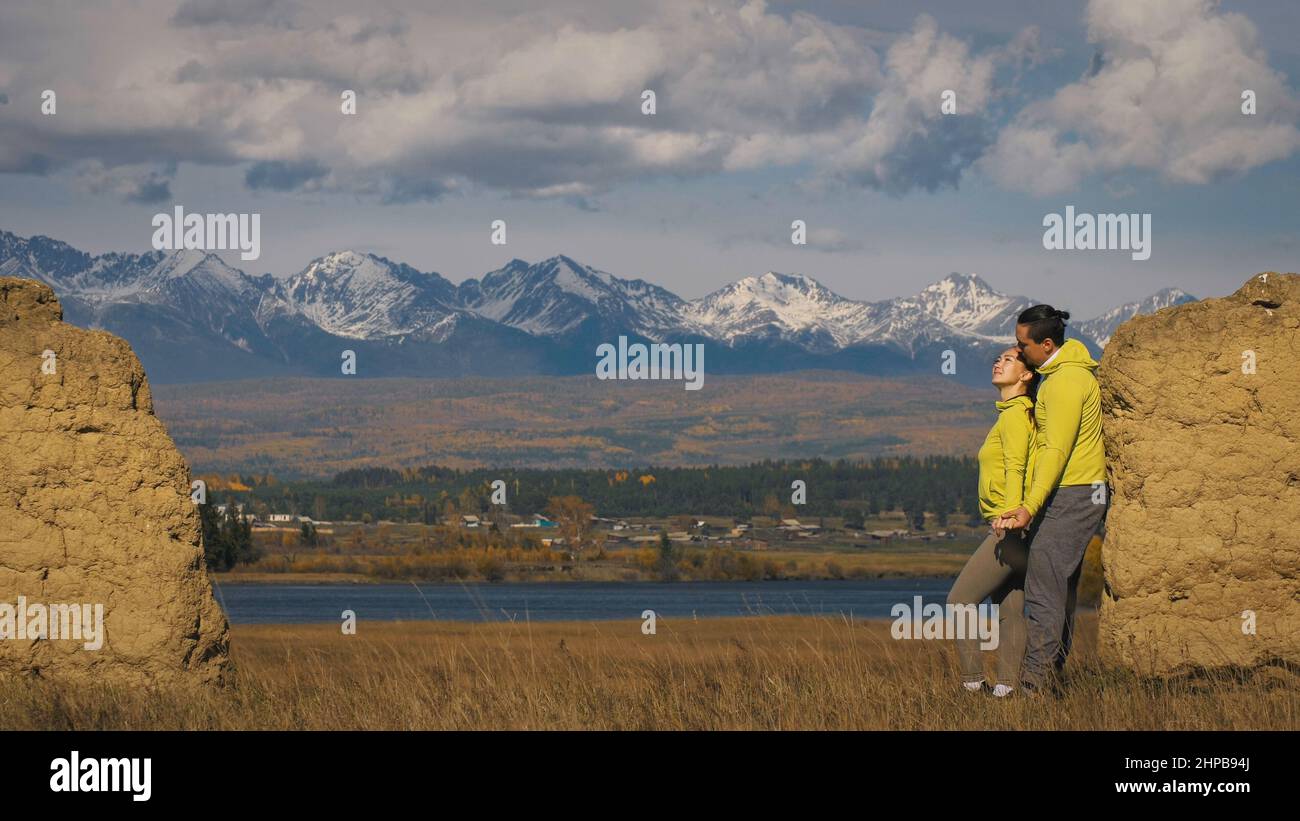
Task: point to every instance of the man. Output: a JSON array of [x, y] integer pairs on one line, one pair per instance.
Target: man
[[1067, 496]]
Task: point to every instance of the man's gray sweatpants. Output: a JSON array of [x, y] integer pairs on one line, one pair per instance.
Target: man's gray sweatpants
[[1058, 541]]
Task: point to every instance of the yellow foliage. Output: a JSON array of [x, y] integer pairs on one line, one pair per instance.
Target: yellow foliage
[[1091, 580]]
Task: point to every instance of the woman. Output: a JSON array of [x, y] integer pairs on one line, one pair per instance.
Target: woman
[[997, 568]]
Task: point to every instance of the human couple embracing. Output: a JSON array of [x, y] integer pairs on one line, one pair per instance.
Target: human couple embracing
[[1042, 474]]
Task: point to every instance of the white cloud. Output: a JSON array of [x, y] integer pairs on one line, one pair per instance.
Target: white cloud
[[132, 183], [545, 102], [570, 68], [907, 140], [1165, 98]]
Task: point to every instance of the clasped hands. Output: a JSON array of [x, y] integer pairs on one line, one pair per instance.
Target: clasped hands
[[1017, 519]]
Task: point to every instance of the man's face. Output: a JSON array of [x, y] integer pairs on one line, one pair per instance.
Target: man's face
[[1036, 353]]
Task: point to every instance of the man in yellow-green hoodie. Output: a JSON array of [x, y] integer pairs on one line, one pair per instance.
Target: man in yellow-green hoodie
[[1066, 502]]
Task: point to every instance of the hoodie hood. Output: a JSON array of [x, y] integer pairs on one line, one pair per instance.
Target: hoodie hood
[[1022, 401], [1073, 354]]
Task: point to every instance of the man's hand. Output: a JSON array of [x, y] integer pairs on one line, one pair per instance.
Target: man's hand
[[998, 530], [1017, 519]]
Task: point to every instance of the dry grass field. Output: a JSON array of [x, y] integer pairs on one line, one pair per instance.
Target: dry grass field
[[753, 673], [317, 427]]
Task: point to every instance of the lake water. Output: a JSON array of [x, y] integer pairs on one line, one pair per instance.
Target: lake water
[[569, 601]]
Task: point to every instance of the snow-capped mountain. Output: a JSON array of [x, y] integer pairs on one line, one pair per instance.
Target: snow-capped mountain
[[966, 302], [800, 309], [560, 296], [190, 316], [362, 296], [170, 306], [1102, 328], [41, 258], [784, 307], [117, 277]]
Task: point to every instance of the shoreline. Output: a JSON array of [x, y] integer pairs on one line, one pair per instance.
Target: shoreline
[[340, 579], [1084, 613]]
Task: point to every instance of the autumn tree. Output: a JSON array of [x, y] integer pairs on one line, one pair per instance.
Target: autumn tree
[[573, 518], [470, 501]]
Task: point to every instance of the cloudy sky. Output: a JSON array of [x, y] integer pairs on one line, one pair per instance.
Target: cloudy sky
[[827, 111]]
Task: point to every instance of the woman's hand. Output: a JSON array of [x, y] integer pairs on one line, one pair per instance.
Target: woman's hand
[[998, 530], [1017, 519]]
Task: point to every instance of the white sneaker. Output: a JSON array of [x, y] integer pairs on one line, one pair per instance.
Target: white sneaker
[[1002, 691]]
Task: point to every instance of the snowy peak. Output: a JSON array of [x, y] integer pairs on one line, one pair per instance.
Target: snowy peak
[[1102, 328], [363, 296], [960, 299], [558, 295], [800, 309], [117, 277], [791, 307], [576, 278], [780, 289], [208, 270], [345, 270], [180, 263], [39, 257], [968, 303]]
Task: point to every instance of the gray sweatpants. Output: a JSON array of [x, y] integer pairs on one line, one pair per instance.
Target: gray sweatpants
[[1058, 541], [995, 570]]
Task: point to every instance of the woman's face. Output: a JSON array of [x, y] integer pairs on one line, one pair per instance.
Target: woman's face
[[1008, 369]]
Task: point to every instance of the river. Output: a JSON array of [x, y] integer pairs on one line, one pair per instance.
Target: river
[[570, 601]]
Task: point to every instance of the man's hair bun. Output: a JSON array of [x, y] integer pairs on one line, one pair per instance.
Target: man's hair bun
[[1045, 322]]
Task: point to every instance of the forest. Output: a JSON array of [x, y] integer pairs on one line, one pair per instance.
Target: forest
[[941, 485]]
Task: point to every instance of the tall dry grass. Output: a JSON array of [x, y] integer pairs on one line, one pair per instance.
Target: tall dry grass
[[797, 672]]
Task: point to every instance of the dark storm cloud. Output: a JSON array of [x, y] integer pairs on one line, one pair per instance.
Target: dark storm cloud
[[1096, 64], [145, 183], [233, 13], [933, 159], [277, 175], [150, 191], [400, 189]]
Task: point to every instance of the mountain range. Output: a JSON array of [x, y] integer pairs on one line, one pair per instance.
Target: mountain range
[[191, 317]]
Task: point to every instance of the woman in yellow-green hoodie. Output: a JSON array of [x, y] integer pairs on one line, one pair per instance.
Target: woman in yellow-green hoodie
[[997, 567]]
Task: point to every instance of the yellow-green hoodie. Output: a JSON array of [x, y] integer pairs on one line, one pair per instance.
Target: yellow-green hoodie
[[1067, 414], [1006, 458]]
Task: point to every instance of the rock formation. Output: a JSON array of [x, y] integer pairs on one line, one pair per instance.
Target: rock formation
[[95, 509], [1201, 407]]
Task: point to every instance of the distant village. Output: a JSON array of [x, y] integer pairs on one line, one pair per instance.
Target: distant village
[[614, 532]]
